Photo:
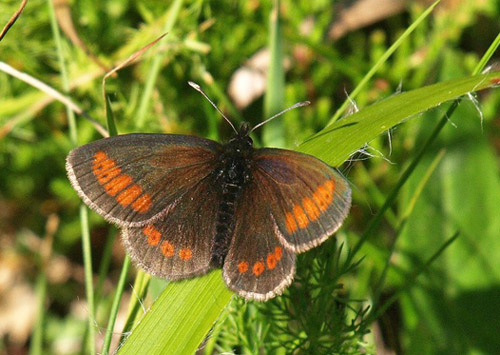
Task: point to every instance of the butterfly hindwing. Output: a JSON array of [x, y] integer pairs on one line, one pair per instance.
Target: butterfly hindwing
[[178, 245], [134, 179], [307, 199], [257, 266]]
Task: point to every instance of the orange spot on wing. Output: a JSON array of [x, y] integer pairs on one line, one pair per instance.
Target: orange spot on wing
[[258, 268], [100, 156], [278, 252], [167, 249], [243, 267], [104, 168], [323, 206], [271, 261], [185, 254], [153, 234], [117, 184], [128, 196], [330, 186], [323, 196], [291, 225], [108, 175], [143, 203], [311, 209], [300, 216]]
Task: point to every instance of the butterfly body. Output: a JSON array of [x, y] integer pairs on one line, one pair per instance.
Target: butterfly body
[[234, 172], [187, 205]]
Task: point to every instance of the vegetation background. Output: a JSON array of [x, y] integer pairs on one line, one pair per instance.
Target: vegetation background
[[408, 288]]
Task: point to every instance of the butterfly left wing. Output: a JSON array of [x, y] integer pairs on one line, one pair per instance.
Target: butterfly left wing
[[179, 245], [135, 179]]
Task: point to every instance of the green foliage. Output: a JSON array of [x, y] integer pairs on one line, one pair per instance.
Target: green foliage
[[395, 280]]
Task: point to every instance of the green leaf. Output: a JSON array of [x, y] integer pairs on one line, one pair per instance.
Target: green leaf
[[275, 92], [110, 118], [338, 141], [180, 318]]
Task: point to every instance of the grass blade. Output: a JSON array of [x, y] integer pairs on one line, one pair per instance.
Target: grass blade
[[185, 323]]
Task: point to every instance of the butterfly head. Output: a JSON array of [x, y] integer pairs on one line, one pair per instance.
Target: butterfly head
[[241, 141], [244, 130]]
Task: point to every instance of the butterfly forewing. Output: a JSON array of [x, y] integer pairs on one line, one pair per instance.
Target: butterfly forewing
[[178, 245], [257, 265], [133, 180], [307, 199]]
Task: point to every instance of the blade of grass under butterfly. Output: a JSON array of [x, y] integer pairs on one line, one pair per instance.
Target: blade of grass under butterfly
[[179, 328], [338, 141]]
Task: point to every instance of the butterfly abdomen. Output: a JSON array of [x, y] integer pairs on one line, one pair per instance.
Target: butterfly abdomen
[[233, 174]]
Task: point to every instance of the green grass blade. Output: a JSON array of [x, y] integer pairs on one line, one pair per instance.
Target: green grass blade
[[381, 61], [89, 286], [89, 341], [36, 345], [104, 264], [487, 56], [411, 280], [110, 118], [338, 141], [180, 318], [156, 66], [413, 200], [275, 94], [141, 285], [115, 306]]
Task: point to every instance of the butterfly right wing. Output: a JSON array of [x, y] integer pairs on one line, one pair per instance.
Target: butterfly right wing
[[135, 179], [257, 265], [307, 199]]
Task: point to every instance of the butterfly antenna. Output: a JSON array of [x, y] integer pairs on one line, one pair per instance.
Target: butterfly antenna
[[198, 88], [298, 104]]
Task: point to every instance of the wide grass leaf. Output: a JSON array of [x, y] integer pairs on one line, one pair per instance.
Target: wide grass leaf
[[337, 142], [180, 318]]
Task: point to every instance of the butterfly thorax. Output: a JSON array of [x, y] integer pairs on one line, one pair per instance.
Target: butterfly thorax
[[233, 174]]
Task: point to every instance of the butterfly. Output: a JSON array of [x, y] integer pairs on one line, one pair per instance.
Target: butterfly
[[187, 205]]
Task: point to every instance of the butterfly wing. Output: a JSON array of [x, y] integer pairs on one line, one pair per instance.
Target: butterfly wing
[[133, 180], [293, 203], [308, 199], [257, 266], [178, 245]]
